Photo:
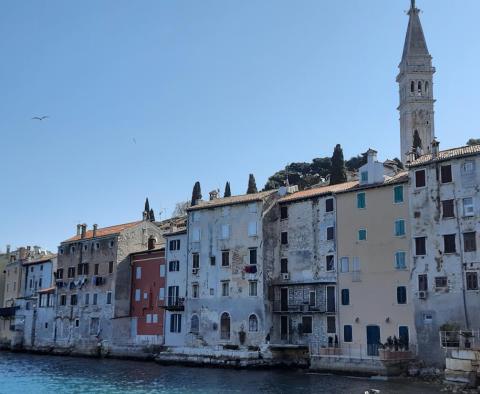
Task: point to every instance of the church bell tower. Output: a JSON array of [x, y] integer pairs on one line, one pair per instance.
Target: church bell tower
[[415, 81]]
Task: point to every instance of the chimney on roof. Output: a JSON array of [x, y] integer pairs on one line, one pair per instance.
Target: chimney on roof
[[214, 194], [95, 227], [79, 229], [371, 156], [22, 253], [84, 231], [435, 147]]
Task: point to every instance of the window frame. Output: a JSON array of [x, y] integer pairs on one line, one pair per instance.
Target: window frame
[[395, 188], [447, 241], [446, 176], [471, 242], [402, 297], [417, 172], [361, 202]]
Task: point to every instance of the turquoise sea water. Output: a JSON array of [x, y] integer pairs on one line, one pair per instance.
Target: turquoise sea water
[[26, 373]]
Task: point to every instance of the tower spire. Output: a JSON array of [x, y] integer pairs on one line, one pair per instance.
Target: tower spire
[[415, 81]]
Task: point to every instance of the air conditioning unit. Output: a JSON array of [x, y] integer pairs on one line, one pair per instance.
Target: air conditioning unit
[[194, 271], [286, 276], [422, 295]]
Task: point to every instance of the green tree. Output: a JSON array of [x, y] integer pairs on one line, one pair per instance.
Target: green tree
[[338, 173], [196, 193], [252, 185], [227, 192], [473, 141]]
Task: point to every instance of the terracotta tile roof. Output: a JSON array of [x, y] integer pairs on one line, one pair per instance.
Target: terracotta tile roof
[[102, 232], [242, 199], [318, 191], [345, 187], [40, 259], [401, 177], [446, 155]]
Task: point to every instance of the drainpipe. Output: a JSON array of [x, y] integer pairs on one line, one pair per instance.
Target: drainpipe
[[462, 263]]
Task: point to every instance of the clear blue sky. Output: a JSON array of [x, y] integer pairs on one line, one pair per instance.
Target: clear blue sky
[[210, 91]]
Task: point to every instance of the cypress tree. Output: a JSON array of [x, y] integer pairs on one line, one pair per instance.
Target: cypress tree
[[252, 185], [227, 192], [338, 174], [196, 193]]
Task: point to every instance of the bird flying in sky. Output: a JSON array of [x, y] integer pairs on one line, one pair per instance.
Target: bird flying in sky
[[40, 117]]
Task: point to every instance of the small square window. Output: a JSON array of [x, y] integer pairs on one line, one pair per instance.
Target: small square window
[[364, 176], [330, 233], [469, 242], [401, 295], [252, 288], [329, 205], [448, 209], [225, 288], [284, 266], [420, 179], [345, 297], [468, 207], [307, 324], [468, 167], [449, 243], [195, 260], [420, 246], [362, 234], [472, 280], [284, 238], [399, 227], [347, 333], [283, 212], [330, 263], [446, 174], [253, 256], [225, 258], [195, 290], [361, 201], [400, 260], [398, 194], [441, 282]]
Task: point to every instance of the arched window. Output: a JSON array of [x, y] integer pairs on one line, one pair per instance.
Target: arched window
[[151, 243], [426, 87], [419, 86], [225, 326], [253, 323], [412, 86], [194, 324]]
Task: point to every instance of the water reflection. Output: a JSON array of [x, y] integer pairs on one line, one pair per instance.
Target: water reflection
[[24, 373]]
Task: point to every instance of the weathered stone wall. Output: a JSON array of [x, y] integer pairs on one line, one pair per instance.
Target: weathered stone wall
[[454, 305], [239, 305]]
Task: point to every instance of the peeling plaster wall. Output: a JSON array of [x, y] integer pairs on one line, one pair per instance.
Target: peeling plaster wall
[[211, 304], [306, 253], [454, 304], [114, 318]]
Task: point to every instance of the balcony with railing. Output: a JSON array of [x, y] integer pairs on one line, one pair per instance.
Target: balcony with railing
[[174, 304], [280, 306]]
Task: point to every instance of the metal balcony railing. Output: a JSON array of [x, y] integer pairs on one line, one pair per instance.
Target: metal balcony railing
[[175, 303], [304, 307]]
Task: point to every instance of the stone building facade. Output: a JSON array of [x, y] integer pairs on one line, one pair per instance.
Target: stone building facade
[[94, 284], [303, 275], [226, 297], [445, 227]]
